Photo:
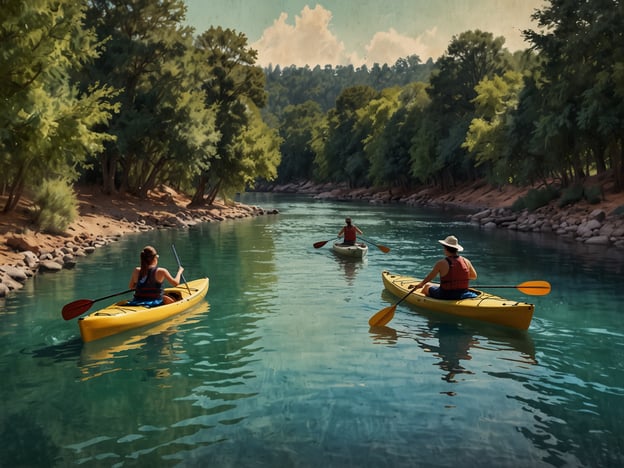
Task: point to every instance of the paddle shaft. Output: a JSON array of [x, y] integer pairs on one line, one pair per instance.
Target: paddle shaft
[[383, 248], [180, 266], [79, 307], [531, 288], [318, 245]]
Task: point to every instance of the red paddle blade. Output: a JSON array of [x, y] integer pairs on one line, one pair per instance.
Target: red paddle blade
[[76, 308], [382, 317], [318, 245]]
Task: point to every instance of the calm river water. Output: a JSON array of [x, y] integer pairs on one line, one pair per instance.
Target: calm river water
[[279, 368]]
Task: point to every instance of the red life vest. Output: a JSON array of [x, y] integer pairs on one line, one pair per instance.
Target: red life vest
[[458, 276], [350, 234]]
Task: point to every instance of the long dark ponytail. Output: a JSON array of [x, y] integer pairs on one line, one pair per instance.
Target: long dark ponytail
[[147, 257]]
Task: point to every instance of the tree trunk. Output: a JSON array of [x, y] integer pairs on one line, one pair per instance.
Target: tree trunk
[[109, 163], [213, 194], [15, 191], [198, 197]]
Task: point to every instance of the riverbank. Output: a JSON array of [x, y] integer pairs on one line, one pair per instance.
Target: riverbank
[[102, 219], [490, 208]]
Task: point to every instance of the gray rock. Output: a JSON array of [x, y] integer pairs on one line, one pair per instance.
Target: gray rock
[[598, 240], [15, 273], [50, 265]]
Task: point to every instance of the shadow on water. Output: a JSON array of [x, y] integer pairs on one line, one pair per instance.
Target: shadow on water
[[95, 353], [451, 339]]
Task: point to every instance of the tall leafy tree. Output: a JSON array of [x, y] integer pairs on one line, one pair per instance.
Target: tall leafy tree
[[235, 83], [487, 136], [344, 147], [48, 126], [297, 130], [150, 58], [389, 145], [580, 87], [469, 58]]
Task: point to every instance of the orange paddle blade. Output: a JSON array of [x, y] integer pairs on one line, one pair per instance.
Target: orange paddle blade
[[535, 288], [383, 248], [318, 245], [382, 317]]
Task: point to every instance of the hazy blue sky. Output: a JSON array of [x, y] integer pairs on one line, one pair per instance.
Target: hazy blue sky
[[287, 32]]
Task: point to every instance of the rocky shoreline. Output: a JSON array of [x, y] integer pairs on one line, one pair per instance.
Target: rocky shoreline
[[484, 206], [31, 257], [489, 208]]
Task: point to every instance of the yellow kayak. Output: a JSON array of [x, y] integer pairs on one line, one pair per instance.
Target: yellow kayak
[[119, 317], [485, 307]]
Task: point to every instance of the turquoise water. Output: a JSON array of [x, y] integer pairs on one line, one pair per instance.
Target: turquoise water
[[279, 368]]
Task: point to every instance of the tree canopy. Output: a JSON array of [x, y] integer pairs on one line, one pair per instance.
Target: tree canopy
[[121, 93]]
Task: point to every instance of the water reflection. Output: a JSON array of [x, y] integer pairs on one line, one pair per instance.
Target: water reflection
[[350, 267], [452, 340], [384, 335], [97, 356], [453, 347]]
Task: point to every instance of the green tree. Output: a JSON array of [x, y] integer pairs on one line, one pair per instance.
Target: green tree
[[297, 130], [233, 85], [390, 145], [469, 58], [344, 147], [48, 126], [580, 86], [487, 136], [164, 126]]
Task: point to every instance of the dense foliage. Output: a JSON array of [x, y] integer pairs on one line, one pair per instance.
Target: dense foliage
[[121, 93], [552, 115]]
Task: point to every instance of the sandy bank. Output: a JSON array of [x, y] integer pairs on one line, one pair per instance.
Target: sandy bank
[[102, 219]]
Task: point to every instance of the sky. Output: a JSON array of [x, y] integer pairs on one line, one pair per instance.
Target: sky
[[357, 32]]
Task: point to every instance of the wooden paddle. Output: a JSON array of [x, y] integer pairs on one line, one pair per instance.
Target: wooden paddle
[[179, 266], [383, 248], [79, 307], [385, 315], [318, 245], [532, 288]]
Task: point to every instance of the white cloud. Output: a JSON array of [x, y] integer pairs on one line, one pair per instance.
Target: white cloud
[[388, 46], [308, 42], [313, 39]]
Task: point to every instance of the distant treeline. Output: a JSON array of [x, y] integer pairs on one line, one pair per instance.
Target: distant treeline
[[296, 85]]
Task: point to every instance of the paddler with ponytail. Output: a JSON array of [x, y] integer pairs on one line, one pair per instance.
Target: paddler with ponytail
[[147, 280], [455, 273]]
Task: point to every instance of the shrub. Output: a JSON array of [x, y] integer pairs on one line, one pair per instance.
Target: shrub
[[535, 198], [593, 194], [618, 210], [518, 205], [56, 206], [571, 195]]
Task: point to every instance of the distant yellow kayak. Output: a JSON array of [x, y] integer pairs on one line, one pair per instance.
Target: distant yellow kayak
[[485, 306], [119, 317]]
